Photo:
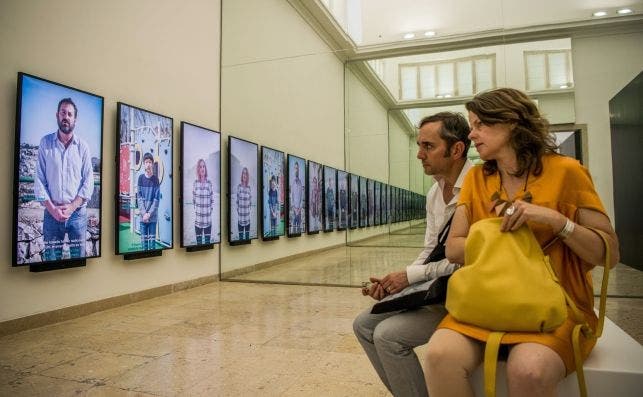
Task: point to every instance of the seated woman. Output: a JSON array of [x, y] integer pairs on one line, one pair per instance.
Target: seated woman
[[555, 196]]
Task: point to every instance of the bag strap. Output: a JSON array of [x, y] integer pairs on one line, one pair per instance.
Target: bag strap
[[491, 362], [585, 328]]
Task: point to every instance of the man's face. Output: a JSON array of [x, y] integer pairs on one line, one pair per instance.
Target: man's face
[[66, 117], [148, 165], [432, 150], [296, 170]]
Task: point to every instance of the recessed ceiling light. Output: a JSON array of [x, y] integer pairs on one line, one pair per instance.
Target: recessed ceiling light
[[624, 11], [429, 33], [409, 36], [600, 13]]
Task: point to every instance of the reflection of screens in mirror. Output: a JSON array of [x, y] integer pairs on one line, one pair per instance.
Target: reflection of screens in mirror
[[296, 203], [363, 202], [144, 206], [57, 210], [378, 202], [330, 198], [200, 186], [342, 200], [385, 204], [371, 202], [353, 204], [243, 180], [273, 187], [315, 197]]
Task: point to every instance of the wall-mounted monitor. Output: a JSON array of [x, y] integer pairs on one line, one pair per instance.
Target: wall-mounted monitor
[[377, 203], [315, 197], [243, 181], [371, 202], [296, 202], [363, 202], [273, 189], [57, 175], [342, 200], [200, 187], [330, 198], [386, 204], [353, 202], [144, 182]]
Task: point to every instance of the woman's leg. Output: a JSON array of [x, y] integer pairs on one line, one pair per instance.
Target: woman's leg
[[533, 370], [450, 361]]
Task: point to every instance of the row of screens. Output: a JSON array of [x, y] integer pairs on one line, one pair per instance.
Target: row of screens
[[58, 174], [299, 196]]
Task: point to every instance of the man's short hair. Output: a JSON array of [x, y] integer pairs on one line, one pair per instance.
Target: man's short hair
[[454, 128], [70, 102], [148, 156]]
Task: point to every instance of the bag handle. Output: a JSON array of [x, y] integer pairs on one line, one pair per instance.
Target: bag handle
[[585, 328]]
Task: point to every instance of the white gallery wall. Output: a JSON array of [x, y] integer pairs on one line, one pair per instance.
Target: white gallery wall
[[603, 65], [156, 54], [282, 87]]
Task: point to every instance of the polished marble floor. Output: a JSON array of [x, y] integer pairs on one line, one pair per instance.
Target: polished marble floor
[[235, 338]]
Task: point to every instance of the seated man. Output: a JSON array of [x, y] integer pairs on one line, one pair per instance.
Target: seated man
[[389, 338]]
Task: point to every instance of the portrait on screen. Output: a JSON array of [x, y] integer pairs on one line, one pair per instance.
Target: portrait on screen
[[371, 202], [315, 197], [201, 185], [353, 200], [273, 193], [377, 203], [330, 198], [57, 168], [144, 206], [243, 180], [363, 202], [296, 196], [342, 200], [386, 204]]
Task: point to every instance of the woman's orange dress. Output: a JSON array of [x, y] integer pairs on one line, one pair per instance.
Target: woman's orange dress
[[565, 186]]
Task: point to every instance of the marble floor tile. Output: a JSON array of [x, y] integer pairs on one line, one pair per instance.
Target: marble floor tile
[[43, 386], [96, 367]]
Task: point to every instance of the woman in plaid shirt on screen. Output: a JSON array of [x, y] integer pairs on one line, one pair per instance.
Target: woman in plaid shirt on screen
[[243, 205], [202, 198]]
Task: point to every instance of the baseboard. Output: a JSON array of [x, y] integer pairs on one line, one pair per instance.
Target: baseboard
[[263, 265], [72, 312]]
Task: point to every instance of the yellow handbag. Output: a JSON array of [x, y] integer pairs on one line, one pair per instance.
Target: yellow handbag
[[508, 285]]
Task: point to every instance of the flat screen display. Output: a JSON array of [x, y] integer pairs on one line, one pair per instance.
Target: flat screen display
[[315, 197], [243, 181], [342, 200], [144, 181], [363, 202], [386, 208], [330, 198], [378, 203], [57, 173], [273, 189], [371, 202], [201, 186], [353, 200], [296, 211]]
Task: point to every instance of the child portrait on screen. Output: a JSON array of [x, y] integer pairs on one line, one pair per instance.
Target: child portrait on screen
[[203, 201], [148, 197], [296, 200], [343, 204], [273, 205], [64, 183], [244, 203], [316, 204], [330, 205]]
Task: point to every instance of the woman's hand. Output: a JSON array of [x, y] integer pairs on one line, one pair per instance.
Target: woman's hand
[[521, 211]]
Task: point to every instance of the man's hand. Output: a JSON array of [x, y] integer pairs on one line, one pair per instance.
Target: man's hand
[[146, 217], [395, 282], [375, 291]]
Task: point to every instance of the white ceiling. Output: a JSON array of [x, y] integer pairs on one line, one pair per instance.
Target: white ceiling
[[386, 21]]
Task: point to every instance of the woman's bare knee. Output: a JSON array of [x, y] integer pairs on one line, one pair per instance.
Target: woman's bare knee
[[534, 369]]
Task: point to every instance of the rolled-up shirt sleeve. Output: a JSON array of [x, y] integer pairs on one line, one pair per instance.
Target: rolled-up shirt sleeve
[[86, 188]]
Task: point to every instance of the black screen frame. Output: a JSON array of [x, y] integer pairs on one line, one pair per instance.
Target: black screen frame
[[309, 192], [229, 195], [263, 198]]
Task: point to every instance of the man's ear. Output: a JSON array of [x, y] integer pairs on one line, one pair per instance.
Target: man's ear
[[457, 150]]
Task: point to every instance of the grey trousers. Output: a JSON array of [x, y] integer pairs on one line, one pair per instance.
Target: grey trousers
[[389, 339]]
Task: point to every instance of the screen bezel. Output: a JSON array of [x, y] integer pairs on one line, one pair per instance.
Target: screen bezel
[[305, 196], [308, 201], [263, 198], [196, 247], [229, 195], [63, 263], [140, 253]]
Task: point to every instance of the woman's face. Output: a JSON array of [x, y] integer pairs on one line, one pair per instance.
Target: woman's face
[[244, 176], [491, 141], [201, 169]]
